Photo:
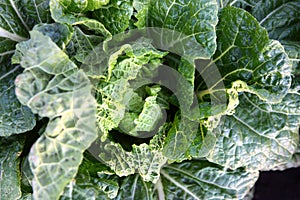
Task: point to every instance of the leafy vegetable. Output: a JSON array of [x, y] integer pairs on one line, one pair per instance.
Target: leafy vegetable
[[53, 87], [130, 99]]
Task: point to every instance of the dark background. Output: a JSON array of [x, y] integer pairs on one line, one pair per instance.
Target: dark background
[[278, 185]]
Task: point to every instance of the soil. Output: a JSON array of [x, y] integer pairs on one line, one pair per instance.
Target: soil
[[278, 185]]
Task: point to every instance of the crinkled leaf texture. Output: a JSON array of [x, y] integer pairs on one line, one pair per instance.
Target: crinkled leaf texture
[[246, 54], [14, 117], [93, 181], [115, 16], [10, 179], [194, 19], [74, 13], [53, 87], [259, 135], [256, 134], [203, 180], [17, 18], [144, 159], [281, 18]]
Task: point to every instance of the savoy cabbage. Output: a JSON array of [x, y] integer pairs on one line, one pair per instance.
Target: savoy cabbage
[[131, 99]]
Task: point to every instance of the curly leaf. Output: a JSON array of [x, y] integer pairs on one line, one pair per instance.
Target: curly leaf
[[143, 159], [53, 87], [116, 91], [149, 118], [115, 16], [63, 11]]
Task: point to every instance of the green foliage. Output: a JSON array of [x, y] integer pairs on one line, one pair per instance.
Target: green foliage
[[183, 99]]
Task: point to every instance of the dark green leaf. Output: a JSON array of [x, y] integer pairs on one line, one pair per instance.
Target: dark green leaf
[[93, 181], [34, 11], [203, 180], [259, 135], [14, 117], [60, 34], [10, 151], [246, 54], [115, 16], [134, 188], [83, 46], [73, 13], [281, 18], [187, 21]]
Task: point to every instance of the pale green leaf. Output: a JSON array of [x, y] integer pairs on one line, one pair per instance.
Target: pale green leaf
[[149, 119], [144, 159], [73, 13], [115, 92], [53, 87]]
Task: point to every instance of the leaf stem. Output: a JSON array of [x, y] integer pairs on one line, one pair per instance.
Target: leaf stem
[[160, 190], [10, 72], [4, 33]]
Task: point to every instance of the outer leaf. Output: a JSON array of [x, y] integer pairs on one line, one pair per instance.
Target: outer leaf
[[64, 11], [14, 117], [82, 45], [245, 53], [52, 86], [195, 19], [12, 25], [61, 34], [10, 150], [204, 180], [33, 11], [115, 16], [27, 196], [294, 162], [237, 3], [292, 48], [18, 17], [88, 185], [259, 135], [281, 18], [134, 188]]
